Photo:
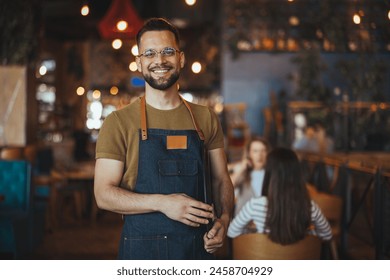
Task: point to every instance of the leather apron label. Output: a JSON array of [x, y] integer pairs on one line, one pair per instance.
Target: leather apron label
[[176, 142]]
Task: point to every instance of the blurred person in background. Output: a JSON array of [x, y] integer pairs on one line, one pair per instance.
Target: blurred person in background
[[248, 174], [285, 211], [315, 139]]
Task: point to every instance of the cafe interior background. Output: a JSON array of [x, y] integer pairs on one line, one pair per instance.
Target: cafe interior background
[[267, 67]]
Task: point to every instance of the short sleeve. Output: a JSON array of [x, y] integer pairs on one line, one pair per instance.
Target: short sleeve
[[216, 139], [111, 142]]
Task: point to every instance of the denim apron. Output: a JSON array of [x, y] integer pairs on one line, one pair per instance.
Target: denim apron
[[161, 170]]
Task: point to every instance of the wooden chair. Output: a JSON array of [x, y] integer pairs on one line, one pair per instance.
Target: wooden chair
[[52, 187], [331, 206], [237, 130], [30, 153], [257, 246], [11, 153], [41, 184]]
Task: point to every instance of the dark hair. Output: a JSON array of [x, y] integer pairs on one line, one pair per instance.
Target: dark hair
[[158, 24], [289, 204]]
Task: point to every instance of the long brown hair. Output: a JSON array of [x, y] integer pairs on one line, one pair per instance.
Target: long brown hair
[[247, 175], [289, 206]]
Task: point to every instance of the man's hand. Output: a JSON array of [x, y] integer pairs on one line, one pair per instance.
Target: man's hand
[[182, 208], [214, 238]]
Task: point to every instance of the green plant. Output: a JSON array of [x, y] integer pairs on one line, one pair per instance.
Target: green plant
[[310, 85], [365, 77], [17, 32]]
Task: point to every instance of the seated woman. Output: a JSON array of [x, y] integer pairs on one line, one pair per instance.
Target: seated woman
[[247, 175], [285, 211]]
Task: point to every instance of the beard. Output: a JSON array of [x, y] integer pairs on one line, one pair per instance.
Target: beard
[[162, 83]]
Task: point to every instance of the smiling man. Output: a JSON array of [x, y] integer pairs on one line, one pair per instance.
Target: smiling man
[[151, 160]]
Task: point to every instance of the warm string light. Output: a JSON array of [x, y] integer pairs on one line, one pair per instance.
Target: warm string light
[[117, 44], [190, 2], [96, 94], [42, 70], [122, 25], [294, 21], [84, 10], [356, 19], [80, 91], [196, 67], [134, 50], [114, 90], [133, 66]]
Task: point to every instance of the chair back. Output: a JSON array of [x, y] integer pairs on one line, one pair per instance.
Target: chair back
[[257, 246], [44, 161], [11, 153], [331, 206], [30, 153]]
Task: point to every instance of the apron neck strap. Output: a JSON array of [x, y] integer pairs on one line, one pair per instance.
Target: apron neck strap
[[144, 132], [198, 130]]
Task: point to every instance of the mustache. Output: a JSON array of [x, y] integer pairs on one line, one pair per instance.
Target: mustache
[[160, 66]]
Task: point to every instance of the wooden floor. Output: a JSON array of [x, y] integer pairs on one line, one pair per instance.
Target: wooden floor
[[83, 240]]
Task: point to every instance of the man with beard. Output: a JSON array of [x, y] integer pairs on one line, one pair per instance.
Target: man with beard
[[150, 162]]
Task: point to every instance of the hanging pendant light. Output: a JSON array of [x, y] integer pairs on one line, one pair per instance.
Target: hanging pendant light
[[120, 22]]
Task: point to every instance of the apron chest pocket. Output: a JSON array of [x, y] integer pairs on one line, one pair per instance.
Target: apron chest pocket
[[178, 176], [178, 167]]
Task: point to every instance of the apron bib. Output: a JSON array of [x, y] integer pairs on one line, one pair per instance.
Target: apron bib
[[170, 161]]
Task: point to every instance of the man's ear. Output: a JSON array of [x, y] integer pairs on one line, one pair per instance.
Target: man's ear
[[138, 61], [182, 59]]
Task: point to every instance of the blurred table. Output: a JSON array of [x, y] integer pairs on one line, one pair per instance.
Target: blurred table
[[78, 171], [79, 179]]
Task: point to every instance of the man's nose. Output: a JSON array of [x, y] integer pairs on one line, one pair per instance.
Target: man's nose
[[159, 57]]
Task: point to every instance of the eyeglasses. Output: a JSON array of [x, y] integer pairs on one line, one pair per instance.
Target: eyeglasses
[[166, 52]]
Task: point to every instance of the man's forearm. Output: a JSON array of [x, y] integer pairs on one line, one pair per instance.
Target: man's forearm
[[224, 201]]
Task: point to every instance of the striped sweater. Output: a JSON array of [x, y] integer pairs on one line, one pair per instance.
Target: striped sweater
[[256, 210]]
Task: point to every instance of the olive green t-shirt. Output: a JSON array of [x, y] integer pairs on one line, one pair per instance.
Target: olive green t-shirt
[[119, 136]]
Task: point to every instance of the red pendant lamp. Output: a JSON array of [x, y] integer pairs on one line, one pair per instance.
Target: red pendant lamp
[[120, 22]]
